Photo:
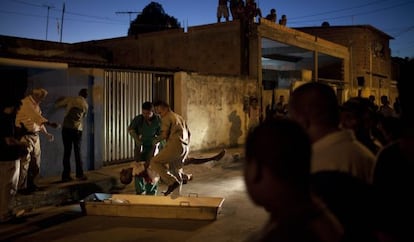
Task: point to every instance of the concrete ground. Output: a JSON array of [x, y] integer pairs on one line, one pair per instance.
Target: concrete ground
[[236, 220]]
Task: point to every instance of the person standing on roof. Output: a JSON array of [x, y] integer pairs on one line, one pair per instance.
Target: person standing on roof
[[222, 10]]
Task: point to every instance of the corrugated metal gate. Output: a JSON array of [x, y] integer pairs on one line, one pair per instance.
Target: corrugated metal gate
[[124, 92]]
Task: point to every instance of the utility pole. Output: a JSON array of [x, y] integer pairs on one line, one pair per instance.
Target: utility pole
[[47, 20], [61, 24], [127, 12]]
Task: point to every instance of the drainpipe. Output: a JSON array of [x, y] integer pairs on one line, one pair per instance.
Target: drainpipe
[[351, 70], [315, 62], [370, 69], [259, 85], [91, 126], [315, 66]]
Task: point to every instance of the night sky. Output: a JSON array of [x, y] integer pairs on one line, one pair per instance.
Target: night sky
[[96, 19]]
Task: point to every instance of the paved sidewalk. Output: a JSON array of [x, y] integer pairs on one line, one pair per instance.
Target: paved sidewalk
[[105, 180], [223, 178]]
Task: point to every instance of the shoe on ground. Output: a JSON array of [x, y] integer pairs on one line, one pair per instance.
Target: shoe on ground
[[82, 178], [171, 188], [67, 179]]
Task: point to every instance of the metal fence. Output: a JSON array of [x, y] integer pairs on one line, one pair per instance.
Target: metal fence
[[124, 92]]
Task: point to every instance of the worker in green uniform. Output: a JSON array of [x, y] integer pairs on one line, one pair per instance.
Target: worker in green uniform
[[145, 129]]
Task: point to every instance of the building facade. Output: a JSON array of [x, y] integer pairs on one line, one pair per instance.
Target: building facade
[[208, 75], [370, 57]]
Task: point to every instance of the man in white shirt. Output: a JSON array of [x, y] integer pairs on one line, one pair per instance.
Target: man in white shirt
[[341, 166], [315, 106], [30, 122]]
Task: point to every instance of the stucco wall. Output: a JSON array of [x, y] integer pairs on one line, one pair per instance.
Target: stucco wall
[[214, 108], [205, 49]]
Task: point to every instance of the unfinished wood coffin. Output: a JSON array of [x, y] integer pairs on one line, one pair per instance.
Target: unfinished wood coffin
[[129, 205]]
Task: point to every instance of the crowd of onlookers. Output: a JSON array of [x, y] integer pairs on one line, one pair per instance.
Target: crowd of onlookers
[[327, 171]]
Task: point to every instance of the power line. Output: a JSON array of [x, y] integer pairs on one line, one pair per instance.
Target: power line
[[360, 13], [28, 3], [59, 11], [127, 12], [340, 10], [406, 30]]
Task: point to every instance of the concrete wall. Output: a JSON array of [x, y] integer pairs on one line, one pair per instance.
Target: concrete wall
[[213, 107], [205, 49]]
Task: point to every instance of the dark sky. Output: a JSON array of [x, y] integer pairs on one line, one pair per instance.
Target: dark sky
[[96, 19]]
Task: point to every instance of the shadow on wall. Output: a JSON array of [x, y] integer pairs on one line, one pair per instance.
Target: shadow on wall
[[235, 129]]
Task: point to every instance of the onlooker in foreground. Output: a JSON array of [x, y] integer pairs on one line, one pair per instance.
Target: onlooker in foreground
[[393, 176], [76, 110], [11, 149], [276, 174], [315, 107]]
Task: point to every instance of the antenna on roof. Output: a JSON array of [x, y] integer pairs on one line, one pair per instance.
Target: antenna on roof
[[47, 20], [61, 23], [127, 12]]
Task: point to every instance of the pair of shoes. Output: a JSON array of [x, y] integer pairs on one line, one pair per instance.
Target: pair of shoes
[[81, 178], [187, 178], [67, 179], [171, 188]]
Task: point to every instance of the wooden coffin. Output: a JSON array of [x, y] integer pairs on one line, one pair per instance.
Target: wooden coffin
[[130, 205]]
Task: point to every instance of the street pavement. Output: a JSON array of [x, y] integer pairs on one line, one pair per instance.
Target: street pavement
[[237, 218]]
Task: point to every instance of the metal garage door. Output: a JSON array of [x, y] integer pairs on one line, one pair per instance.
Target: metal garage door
[[124, 93]]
